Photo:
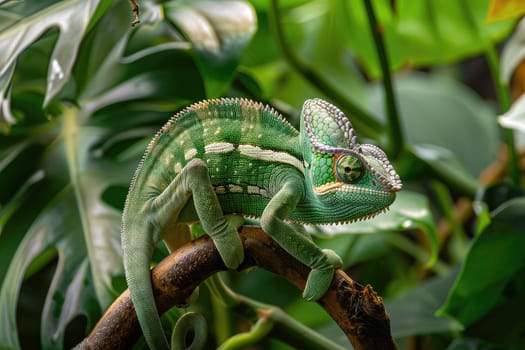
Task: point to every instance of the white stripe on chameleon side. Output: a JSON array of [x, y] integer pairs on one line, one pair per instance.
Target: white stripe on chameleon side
[[235, 188], [253, 189], [219, 147], [220, 189], [257, 152]]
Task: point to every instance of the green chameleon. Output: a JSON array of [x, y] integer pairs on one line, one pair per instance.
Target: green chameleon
[[218, 161]]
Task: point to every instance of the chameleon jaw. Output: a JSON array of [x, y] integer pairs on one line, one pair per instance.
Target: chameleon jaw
[[342, 187], [342, 222]]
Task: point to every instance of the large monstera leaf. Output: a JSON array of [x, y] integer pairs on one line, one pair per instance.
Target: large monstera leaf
[[74, 96], [219, 31], [21, 27], [79, 225]]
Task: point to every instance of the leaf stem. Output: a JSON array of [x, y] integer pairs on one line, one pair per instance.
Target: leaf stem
[[406, 245], [363, 121], [257, 333], [445, 203], [504, 105], [396, 141]]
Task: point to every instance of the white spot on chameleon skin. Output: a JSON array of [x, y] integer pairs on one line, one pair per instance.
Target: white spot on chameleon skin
[[219, 147], [177, 168], [220, 190], [257, 190], [256, 152], [190, 154], [235, 188], [218, 131], [259, 136], [253, 189], [182, 142], [168, 160]]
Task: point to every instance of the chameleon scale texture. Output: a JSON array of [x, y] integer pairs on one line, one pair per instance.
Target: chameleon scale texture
[[229, 135]]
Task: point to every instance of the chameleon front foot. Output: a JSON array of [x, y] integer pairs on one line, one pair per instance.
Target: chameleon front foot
[[318, 283], [332, 257], [319, 279], [229, 243]]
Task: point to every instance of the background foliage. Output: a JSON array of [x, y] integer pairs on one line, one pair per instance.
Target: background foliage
[[81, 94]]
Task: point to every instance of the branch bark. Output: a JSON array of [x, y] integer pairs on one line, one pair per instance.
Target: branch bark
[[357, 309]]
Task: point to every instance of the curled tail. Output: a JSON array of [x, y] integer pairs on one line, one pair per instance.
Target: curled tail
[[138, 248]]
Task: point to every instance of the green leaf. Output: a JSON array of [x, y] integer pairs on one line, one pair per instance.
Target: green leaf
[[71, 17], [447, 166], [56, 227], [492, 262], [420, 33], [413, 312], [475, 344], [439, 111], [83, 229], [218, 31]]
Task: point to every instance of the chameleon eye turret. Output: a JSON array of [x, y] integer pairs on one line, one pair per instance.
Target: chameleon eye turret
[[349, 168]]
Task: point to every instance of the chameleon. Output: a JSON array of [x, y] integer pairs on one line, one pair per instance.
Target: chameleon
[[219, 161]]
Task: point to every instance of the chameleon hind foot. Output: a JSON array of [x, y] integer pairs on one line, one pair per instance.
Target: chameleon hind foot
[[229, 243]]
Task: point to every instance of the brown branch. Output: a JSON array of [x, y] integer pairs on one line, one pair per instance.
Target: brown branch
[[136, 12], [357, 309]]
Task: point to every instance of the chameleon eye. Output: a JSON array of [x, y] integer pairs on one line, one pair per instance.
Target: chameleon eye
[[349, 168]]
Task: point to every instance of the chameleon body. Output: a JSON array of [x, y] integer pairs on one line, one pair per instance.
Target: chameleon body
[[235, 156]]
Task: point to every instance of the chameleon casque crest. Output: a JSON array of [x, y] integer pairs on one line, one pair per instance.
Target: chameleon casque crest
[[218, 161]]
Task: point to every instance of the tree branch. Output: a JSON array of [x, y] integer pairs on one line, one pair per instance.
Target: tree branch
[[357, 309]]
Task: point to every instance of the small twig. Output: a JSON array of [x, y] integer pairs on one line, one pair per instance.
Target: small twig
[[136, 12], [357, 309]]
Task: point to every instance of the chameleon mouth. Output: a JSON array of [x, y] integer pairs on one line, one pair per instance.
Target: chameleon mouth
[[343, 187], [370, 216]]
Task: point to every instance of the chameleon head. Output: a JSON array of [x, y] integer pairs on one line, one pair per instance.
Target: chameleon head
[[350, 181]]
